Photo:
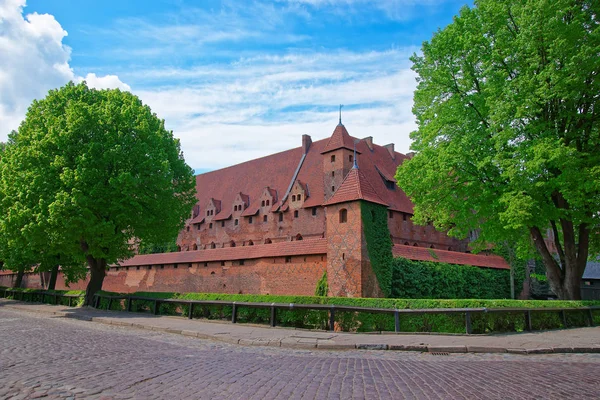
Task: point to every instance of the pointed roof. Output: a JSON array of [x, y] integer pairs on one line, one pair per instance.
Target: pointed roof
[[340, 139], [355, 187]]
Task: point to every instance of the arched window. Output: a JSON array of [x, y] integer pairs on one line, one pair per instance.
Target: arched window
[[232, 244], [265, 218], [178, 248], [293, 197], [343, 216], [262, 204], [213, 245], [280, 217], [268, 202], [415, 245], [295, 213], [406, 244], [250, 243], [299, 198], [195, 247], [210, 226], [298, 237], [236, 222], [268, 241]]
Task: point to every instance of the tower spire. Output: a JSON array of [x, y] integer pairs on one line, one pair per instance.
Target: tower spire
[[340, 123], [355, 166]]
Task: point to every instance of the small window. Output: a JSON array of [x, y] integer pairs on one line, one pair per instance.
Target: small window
[[268, 241], [250, 243], [314, 211], [293, 197], [299, 197], [194, 247], [207, 213], [206, 264], [265, 218], [333, 158], [234, 208], [236, 222], [351, 158], [406, 244], [188, 228], [295, 213], [390, 214], [343, 216], [210, 226], [268, 202], [404, 218], [189, 265], [280, 217], [390, 185], [288, 259], [333, 188], [250, 220], [232, 244], [299, 237], [332, 174], [222, 265], [162, 266], [242, 262], [262, 204], [175, 266], [431, 247]]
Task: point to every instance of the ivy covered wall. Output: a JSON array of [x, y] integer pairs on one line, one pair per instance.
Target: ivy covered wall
[[379, 244]]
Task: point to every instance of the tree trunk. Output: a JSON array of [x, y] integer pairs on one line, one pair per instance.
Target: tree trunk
[[53, 276], [97, 274], [19, 280]]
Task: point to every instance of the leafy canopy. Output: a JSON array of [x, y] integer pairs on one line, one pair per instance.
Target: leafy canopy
[[507, 108], [88, 172]]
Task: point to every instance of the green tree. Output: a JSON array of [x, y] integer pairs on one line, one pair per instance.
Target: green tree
[[88, 173], [508, 141]]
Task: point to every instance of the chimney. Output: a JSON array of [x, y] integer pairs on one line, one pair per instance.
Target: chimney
[[390, 148], [369, 141], [306, 142]]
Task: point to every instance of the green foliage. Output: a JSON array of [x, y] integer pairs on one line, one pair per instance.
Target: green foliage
[[88, 172], [434, 280], [151, 248], [322, 286], [365, 322], [379, 244], [508, 137]]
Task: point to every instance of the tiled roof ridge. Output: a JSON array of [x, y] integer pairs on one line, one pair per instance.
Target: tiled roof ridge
[[355, 186], [449, 257]]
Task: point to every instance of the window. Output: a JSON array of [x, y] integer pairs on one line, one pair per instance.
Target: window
[[299, 197], [232, 244], [298, 237], [293, 197], [206, 264], [332, 174], [222, 265], [295, 213], [189, 265], [234, 208], [210, 226], [333, 158], [403, 216], [333, 188], [390, 185], [280, 217], [431, 247], [262, 204], [267, 241], [213, 245], [250, 243], [242, 262], [390, 214], [268, 202], [351, 158], [188, 228], [314, 211], [195, 247], [406, 244], [288, 259], [207, 213], [236, 222], [250, 220], [343, 216], [265, 218]]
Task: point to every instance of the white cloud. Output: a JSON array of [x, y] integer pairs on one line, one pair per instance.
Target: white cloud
[[33, 60], [103, 82]]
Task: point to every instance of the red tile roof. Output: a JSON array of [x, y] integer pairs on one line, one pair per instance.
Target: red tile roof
[[355, 187], [340, 139], [450, 257], [277, 170], [198, 220], [281, 249]]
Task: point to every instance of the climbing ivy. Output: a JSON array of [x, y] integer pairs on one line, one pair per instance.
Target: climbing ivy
[[322, 286], [379, 244]]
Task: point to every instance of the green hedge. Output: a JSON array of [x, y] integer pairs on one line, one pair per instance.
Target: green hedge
[[365, 322], [30, 295], [434, 280]]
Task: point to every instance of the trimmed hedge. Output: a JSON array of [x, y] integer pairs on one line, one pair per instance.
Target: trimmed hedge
[[30, 295], [365, 322], [434, 280]]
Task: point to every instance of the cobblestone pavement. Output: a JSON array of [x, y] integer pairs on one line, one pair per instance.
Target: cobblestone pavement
[[58, 358]]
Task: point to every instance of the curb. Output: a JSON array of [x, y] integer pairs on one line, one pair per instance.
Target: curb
[[328, 345]]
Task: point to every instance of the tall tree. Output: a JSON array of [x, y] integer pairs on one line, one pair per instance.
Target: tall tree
[[88, 172], [508, 138]]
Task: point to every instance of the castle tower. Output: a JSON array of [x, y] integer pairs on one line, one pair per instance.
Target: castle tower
[[349, 271], [338, 159]]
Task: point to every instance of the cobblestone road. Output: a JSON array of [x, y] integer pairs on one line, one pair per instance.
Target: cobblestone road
[[57, 358]]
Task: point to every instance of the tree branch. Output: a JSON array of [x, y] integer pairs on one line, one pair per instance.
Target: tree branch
[[561, 253]]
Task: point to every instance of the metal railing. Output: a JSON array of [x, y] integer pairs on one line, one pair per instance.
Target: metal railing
[[330, 308], [40, 295]]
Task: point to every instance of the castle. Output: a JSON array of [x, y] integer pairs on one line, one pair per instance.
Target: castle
[[274, 225]]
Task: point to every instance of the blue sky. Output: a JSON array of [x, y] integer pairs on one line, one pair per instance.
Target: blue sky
[[235, 80]]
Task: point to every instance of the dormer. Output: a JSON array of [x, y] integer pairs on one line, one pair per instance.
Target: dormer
[[240, 203], [298, 194], [267, 199], [213, 208]]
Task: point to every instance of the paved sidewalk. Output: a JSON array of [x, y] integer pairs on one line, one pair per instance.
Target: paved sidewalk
[[577, 340]]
